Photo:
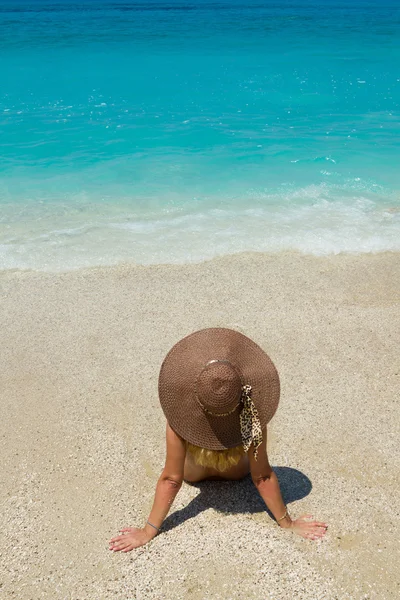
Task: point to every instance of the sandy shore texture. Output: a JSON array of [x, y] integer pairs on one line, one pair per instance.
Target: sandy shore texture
[[82, 433]]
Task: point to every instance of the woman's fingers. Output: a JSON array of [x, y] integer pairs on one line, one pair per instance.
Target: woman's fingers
[[125, 547], [114, 548], [130, 538], [313, 524], [306, 528], [117, 539], [122, 531], [316, 535], [310, 536], [125, 542], [117, 543], [317, 531], [311, 532], [118, 547]]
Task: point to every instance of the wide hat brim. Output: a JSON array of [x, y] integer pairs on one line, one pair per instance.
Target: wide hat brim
[[177, 386]]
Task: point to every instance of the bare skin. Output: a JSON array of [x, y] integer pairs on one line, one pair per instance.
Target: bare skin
[[180, 466]]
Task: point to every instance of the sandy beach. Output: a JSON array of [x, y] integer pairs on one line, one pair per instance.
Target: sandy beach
[[82, 433]]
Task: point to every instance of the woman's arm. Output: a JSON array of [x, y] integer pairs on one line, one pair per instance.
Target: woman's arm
[[170, 480], [168, 486], [267, 485]]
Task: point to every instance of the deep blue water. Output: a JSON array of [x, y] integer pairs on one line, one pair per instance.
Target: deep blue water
[[175, 131]]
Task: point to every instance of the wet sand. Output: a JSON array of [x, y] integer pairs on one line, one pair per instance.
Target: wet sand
[[81, 430]]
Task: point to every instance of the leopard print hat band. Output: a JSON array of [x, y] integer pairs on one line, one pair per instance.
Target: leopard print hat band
[[250, 426]]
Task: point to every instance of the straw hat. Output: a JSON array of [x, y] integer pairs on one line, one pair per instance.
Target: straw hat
[[218, 389]]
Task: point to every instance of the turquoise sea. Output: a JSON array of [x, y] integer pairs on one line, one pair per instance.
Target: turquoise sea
[[172, 131]]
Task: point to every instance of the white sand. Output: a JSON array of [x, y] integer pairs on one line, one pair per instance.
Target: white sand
[[81, 430]]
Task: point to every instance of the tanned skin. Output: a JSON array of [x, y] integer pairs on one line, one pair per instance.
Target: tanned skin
[[180, 467]]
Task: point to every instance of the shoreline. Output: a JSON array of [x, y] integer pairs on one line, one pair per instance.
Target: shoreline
[[82, 433], [270, 255], [321, 228]]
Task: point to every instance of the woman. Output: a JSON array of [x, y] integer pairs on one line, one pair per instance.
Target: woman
[[218, 391]]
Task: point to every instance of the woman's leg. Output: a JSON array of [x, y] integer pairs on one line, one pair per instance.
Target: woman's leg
[[194, 472]]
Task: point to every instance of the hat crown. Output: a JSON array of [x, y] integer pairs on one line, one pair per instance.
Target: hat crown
[[218, 387], [188, 397]]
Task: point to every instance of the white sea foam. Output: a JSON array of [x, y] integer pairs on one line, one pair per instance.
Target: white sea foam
[[113, 235]]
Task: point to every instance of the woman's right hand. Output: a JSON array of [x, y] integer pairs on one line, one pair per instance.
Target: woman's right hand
[[130, 539], [311, 530]]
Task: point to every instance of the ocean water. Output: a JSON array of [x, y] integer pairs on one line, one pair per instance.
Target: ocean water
[[170, 131]]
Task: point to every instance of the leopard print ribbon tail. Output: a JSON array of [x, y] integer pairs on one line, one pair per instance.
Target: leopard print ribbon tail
[[250, 425]]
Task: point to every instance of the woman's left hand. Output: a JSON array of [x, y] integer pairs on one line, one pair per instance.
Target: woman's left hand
[[130, 539], [312, 530]]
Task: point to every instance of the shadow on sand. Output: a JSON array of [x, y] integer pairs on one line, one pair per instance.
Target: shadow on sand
[[236, 497]]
